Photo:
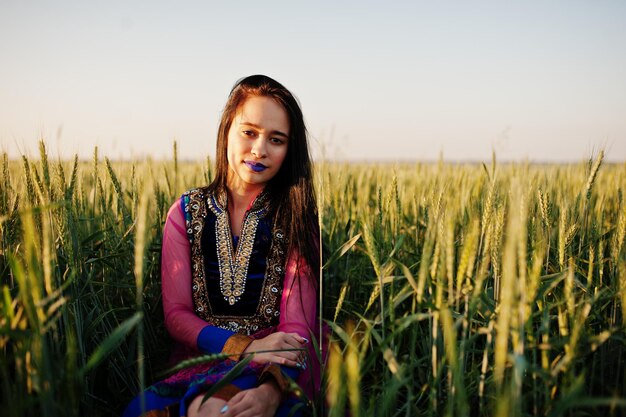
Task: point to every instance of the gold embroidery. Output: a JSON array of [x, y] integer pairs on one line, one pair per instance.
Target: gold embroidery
[[198, 204], [236, 344], [195, 213], [233, 272]]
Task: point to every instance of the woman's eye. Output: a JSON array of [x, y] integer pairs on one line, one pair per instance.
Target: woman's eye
[[248, 133], [277, 141]]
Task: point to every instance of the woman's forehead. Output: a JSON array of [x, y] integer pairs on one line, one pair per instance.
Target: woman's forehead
[[263, 112]]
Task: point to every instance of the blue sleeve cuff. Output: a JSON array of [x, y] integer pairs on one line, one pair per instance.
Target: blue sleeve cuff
[[212, 339], [245, 382], [291, 372]]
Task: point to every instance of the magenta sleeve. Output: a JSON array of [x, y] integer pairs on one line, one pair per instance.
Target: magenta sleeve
[[298, 314], [181, 322], [298, 305]]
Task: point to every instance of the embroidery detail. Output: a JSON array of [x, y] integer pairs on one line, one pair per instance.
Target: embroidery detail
[[234, 269], [198, 204], [195, 213]]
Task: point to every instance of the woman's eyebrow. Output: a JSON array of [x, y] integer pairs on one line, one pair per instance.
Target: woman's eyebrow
[[254, 125]]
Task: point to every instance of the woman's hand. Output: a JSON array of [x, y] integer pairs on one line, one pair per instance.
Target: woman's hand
[[262, 401], [276, 343], [210, 408]]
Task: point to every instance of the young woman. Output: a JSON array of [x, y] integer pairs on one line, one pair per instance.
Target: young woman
[[240, 263]]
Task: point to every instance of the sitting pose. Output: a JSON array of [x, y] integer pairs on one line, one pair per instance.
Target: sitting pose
[[240, 267]]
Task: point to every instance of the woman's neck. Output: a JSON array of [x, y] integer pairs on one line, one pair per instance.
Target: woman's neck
[[239, 199], [241, 194]]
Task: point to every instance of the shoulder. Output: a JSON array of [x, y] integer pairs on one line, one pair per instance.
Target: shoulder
[[175, 221], [199, 192], [178, 213], [193, 198], [196, 205], [202, 195]]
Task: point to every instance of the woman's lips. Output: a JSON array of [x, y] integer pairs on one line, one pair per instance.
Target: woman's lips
[[255, 166]]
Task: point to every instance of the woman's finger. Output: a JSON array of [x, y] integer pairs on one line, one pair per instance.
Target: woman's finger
[[300, 339], [287, 362], [295, 340], [279, 360], [232, 406], [288, 355], [240, 407], [287, 341], [285, 357]]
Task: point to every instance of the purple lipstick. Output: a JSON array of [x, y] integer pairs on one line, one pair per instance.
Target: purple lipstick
[[255, 166]]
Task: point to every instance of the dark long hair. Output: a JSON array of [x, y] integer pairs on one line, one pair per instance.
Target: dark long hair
[[291, 190]]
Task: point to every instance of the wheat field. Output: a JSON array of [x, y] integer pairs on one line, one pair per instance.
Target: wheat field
[[494, 289]]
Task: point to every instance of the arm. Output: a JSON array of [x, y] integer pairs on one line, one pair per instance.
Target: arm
[[299, 300], [298, 309], [181, 321]]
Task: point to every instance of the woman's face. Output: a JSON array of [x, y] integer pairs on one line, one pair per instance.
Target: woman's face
[[257, 142]]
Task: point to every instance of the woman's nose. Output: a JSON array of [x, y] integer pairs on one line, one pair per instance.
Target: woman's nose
[[258, 147]]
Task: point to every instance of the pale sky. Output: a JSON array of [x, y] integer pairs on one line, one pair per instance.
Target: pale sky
[[536, 80]]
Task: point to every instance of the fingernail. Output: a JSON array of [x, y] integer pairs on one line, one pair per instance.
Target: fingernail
[[304, 366], [306, 340], [298, 365], [224, 409]]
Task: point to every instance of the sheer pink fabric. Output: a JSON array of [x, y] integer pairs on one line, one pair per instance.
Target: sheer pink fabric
[[298, 309], [298, 304], [180, 319]]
